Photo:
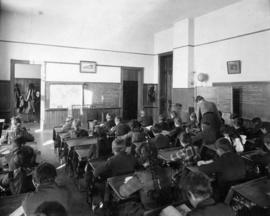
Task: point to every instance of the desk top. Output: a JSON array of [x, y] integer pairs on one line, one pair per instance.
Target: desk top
[[165, 154], [82, 153], [249, 155], [81, 141], [9, 204], [257, 191], [115, 183], [96, 163]]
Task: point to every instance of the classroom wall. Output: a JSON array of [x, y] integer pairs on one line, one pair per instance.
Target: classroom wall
[[237, 32], [204, 44], [27, 71]]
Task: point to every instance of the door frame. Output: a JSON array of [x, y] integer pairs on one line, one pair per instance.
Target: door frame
[[12, 81], [140, 87], [159, 71]]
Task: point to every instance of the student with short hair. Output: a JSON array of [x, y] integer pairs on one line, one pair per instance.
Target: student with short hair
[[188, 153], [120, 128], [119, 163], [77, 130], [198, 188], [229, 166], [50, 208], [46, 189], [160, 140], [144, 119]]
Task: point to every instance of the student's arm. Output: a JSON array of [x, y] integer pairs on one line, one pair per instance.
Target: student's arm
[[209, 168], [126, 136], [103, 170]]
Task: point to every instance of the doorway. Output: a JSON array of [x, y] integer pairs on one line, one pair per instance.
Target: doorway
[[236, 101], [165, 82], [25, 90], [132, 92]]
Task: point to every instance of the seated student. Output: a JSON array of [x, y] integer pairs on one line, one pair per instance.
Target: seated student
[[50, 208], [256, 133], [120, 128], [237, 124], [198, 190], [162, 121], [16, 131], [135, 136], [67, 125], [46, 189], [20, 164], [175, 132], [160, 140], [109, 122], [144, 119], [192, 124], [119, 163], [188, 154], [170, 121], [229, 166], [77, 131], [234, 138], [264, 157]]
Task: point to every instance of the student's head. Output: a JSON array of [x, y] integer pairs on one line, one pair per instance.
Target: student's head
[[142, 113], [135, 124], [185, 139], [118, 146], [45, 173], [117, 120], [108, 117], [177, 122], [237, 122], [156, 129], [24, 157], [15, 121], [161, 118], [193, 117], [69, 120], [50, 208], [76, 124], [178, 106], [266, 141], [197, 187], [173, 114], [199, 98], [256, 122], [223, 146], [37, 94], [226, 131]]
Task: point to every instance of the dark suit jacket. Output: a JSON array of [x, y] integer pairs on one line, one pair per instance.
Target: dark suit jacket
[[228, 168], [45, 192], [121, 129], [146, 121], [161, 141], [116, 165], [208, 207]]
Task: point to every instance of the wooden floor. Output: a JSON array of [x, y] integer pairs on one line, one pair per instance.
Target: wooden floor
[[79, 207]]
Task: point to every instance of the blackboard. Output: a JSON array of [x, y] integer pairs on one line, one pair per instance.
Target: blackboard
[[65, 95]]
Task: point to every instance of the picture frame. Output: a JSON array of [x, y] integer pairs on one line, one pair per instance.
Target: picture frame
[[234, 67], [88, 67]]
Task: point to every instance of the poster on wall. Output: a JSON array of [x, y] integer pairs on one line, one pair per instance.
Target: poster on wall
[[234, 67], [88, 67]]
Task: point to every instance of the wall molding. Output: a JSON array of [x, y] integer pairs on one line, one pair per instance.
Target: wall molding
[[216, 84], [223, 39], [75, 47]]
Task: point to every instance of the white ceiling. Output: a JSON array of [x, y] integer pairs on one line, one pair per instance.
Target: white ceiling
[[107, 19]]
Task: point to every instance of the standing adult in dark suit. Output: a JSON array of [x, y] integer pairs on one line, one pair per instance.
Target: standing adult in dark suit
[[144, 119], [208, 112], [198, 189], [120, 128]]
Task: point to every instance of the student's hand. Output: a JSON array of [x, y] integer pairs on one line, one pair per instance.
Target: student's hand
[[199, 163], [263, 130]]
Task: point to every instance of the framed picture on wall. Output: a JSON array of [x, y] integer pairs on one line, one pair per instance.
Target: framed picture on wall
[[234, 67], [88, 67]]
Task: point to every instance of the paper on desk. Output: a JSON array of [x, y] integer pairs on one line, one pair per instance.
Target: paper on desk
[[127, 179], [170, 211], [18, 212]]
